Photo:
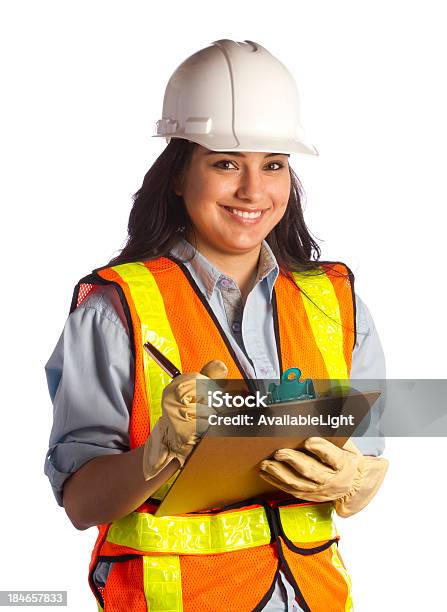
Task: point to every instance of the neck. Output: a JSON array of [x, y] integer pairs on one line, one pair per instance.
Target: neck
[[242, 267]]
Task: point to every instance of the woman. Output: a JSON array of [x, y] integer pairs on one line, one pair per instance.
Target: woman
[[222, 275]]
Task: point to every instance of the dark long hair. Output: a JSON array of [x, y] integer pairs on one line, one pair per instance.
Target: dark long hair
[[158, 216]]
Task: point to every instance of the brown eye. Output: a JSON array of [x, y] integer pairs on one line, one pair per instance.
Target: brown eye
[[279, 164], [219, 164]]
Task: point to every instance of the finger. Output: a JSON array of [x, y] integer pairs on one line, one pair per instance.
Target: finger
[[196, 411], [277, 483], [202, 414], [351, 447], [326, 451], [215, 369], [187, 392], [199, 413], [308, 495], [303, 464], [195, 389], [203, 411], [287, 476]]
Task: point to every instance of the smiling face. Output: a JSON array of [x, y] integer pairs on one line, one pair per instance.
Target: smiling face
[[234, 199]]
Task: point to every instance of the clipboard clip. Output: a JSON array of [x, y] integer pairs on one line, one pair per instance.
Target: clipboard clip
[[291, 388]]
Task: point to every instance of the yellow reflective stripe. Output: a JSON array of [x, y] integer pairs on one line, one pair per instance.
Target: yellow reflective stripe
[[338, 564], [99, 607], [308, 523], [327, 330], [201, 534], [226, 531], [155, 329], [162, 583]]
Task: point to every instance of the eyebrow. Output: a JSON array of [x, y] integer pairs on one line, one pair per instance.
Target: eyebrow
[[238, 154]]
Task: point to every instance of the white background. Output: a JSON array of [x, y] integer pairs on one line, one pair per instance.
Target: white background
[[82, 86]]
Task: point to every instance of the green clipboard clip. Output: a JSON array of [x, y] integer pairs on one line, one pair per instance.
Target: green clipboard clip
[[291, 388]]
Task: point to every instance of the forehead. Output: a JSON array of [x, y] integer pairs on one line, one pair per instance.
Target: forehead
[[202, 151]]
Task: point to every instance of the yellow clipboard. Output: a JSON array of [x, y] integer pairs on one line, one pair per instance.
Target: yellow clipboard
[[224, 469]]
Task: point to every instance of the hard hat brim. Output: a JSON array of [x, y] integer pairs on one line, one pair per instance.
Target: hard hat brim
[[254, 145]]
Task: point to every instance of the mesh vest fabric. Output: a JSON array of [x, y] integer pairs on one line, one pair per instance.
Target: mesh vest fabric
[[248, 575]]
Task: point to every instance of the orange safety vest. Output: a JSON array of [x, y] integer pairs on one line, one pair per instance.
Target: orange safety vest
[[226, 559]]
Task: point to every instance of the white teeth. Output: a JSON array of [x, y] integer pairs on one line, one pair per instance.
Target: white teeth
[[246, 215]]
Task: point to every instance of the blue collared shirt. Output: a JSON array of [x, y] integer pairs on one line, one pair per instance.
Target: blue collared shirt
[[90, 373]]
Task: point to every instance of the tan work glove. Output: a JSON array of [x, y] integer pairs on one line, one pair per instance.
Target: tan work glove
[[184, 417], [343, 475]]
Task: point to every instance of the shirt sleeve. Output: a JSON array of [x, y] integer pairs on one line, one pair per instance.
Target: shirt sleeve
[[90, 381], [368, 362]]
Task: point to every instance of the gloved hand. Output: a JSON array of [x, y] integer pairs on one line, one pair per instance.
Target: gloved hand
[[184, 417], [343, 475]]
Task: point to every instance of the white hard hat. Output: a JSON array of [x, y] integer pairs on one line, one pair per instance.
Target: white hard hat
[[234, 96]]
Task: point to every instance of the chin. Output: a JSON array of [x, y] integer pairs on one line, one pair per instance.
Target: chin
[[241, 246]]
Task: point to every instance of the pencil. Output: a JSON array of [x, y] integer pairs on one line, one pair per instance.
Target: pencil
[[164, 363]]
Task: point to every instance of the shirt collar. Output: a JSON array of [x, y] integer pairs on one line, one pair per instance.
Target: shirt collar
[[208, 276], [268, 268]]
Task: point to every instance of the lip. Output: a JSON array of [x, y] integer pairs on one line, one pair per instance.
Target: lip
[[244, 209], [241, 220]]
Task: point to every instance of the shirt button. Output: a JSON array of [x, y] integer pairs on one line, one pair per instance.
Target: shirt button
[[236, 327]]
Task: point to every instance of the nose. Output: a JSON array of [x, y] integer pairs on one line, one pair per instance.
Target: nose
[[251, 186]]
